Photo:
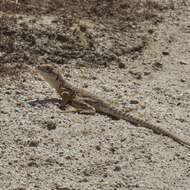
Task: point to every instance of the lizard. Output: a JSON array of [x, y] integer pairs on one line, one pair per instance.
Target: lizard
[[86, 102]]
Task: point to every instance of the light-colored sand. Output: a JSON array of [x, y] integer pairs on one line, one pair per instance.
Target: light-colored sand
[[43, 148]]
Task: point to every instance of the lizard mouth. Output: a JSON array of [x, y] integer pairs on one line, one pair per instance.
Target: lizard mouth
[[41, 69]]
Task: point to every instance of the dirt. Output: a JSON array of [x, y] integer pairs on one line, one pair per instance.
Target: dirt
[[141, 62]]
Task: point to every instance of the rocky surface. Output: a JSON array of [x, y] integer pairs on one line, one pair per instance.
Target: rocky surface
[[143, 64]]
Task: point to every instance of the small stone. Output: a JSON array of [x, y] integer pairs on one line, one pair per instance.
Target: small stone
[[19, 104], [32, 164], [86, 173], [20, 188], [84, 180], [157, 65], [182, 80], [67, 75], [183, 62], [17, 110], [7, 92], [62, 188], [181, 120], [112, 149], [106, 88], [121, 65], [85, 85], [134, 102], [98, 147], [4, 112], [166, 53], [50, 125], [147, 73], [68, 158], [94, 77], [150, 31], [33, 143], [117, 169], [136, 74]]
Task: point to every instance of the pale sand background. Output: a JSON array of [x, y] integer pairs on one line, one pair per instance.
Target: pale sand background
[[43, 148]]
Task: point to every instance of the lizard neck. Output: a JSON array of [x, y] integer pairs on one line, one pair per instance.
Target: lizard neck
[[55, 81], [61, 84]]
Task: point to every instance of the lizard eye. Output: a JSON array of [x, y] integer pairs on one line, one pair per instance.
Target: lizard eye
[[48, 69]]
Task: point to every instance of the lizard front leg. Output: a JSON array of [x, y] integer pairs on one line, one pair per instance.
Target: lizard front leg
[[66, 98]]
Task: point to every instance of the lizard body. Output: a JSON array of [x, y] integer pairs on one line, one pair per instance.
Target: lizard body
[[88, 103]]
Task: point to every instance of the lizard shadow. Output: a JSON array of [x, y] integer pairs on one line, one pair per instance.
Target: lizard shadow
[[57, 102], [46, 101]]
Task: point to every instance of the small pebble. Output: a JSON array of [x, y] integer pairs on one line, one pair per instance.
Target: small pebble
[[51, 125], [68, 158], [136, 74], [157, 65], [166, 53], [33, 143], [147, 73], [182, 80], [112, 150], [85, 85], [121, 65], [94, 77], [150, 31], [98, 147], [86, 173], [117, 169], [134, 101], [183, 62], [20, 188], [4, 112], [32, 164]]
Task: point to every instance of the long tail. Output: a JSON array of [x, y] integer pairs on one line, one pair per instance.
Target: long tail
[[120, 114]]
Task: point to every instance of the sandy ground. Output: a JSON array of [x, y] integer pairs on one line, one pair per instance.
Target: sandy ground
[[41, 147]]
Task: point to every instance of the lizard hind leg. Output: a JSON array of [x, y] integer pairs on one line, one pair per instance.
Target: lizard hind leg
[[82, 107]]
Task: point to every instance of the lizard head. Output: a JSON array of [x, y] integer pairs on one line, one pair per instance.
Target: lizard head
[[50, 74]]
